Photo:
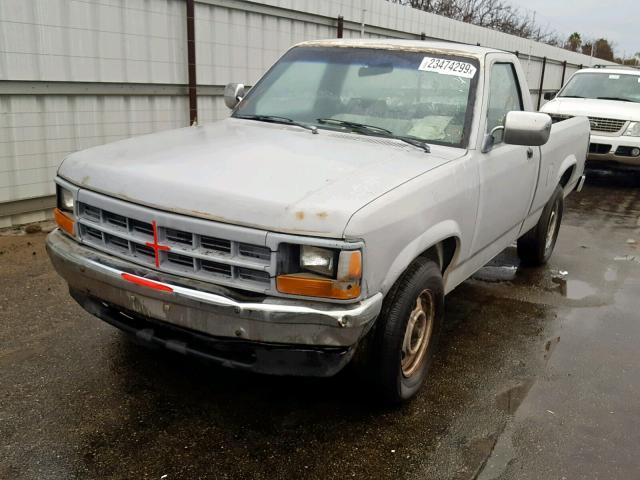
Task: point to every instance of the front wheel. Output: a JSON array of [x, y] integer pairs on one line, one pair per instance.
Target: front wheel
[[407, 332], [536, 246]]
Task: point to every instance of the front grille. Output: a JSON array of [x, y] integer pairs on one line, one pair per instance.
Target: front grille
[[179, 237], [215, 244], [179, 250], [608, 125], [141, 227], [599, 148], [598, 124], [254, 251]]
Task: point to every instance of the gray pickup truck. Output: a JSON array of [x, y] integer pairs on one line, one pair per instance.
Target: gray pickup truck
[[353, 186]]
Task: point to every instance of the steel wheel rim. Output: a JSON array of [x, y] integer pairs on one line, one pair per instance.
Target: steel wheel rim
[[551, 229], [417, 335]]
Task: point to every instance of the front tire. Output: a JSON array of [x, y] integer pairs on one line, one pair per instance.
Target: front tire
[[536, 246], [407, 332]]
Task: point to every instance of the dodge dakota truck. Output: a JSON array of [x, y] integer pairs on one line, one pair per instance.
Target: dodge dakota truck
[[352, 187], [610, 97]]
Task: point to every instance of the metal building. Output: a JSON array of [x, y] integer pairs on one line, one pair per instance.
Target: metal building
[[78, 73]]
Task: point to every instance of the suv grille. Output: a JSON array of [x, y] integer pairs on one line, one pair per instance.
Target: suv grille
[[176, 251], [609, 125], [598, 124]]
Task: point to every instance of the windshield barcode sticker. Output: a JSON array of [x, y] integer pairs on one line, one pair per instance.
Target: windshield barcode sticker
[[444, 66]]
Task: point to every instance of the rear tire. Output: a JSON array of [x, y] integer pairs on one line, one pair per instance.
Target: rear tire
[[406, 333], [536, 246]]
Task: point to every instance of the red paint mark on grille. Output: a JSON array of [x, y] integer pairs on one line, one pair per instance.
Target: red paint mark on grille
[[146, 283], [157, 248]]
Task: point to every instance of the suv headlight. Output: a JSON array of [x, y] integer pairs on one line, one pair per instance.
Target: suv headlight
[[64, 211], [321, 272], [633, 130]]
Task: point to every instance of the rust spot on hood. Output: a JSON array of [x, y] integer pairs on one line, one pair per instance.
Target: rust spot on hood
[[300, 215]]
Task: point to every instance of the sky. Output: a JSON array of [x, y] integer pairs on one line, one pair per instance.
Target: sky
[[615, 20]]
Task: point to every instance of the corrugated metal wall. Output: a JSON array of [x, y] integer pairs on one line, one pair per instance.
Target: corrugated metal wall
[[78, 73]]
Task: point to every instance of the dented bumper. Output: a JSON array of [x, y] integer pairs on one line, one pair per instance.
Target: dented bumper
[[107, 287]]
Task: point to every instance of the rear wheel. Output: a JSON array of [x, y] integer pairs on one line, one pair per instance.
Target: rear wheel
[[407, 332], [536, 246]]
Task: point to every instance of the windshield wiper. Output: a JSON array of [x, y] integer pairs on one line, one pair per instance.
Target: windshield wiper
[[354, 125], [619, 99], [415, 141], [278, 119], [377, 131], [571, 96]]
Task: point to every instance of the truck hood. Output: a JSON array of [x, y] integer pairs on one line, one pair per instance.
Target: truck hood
[[589, 107], [274, 177]]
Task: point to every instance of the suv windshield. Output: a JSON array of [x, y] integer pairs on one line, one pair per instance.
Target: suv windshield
[[418, 96], [605, 86]]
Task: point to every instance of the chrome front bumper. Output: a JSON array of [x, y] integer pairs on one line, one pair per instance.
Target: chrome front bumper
[[208, 309]]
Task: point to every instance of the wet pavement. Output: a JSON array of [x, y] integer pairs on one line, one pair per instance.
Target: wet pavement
[[537, 377]]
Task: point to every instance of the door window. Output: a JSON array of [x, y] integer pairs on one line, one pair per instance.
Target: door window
[[504, 96]]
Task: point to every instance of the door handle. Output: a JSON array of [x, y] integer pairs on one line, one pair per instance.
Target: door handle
[[529, 152]]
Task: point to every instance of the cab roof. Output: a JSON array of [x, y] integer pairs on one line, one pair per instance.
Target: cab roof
[[412, 45], [621, 70]]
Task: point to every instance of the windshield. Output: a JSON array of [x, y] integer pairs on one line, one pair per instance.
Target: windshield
[[606, 86], [391, 92]]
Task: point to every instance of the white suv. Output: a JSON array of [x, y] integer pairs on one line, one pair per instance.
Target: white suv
[[610, 97]]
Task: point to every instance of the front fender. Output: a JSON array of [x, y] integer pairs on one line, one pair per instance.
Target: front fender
[[433, 236]]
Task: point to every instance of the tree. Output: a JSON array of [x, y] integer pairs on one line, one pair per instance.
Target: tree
[[495, 14], [574, 42], [601, 47]]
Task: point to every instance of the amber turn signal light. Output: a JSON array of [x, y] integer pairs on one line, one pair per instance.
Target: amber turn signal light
[[350, 266], [308, 286], [63, 221]]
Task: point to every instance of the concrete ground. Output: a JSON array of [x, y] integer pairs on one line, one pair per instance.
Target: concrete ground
[[537, 377]]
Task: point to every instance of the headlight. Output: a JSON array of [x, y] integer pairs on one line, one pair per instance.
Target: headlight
[[63, 214], [633, 130], [65, 200], [322, 272], [318, 260]]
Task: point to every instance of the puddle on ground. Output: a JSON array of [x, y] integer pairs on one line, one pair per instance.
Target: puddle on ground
[[611, 275], [509, 400], [549, 347], [573, 289]]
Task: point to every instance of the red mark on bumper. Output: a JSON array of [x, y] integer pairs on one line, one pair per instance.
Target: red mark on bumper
[[146, 283]]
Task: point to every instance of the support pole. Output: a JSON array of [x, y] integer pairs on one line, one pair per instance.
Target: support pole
[[191, 61], [544, 66], [340, 26], [564, 71]]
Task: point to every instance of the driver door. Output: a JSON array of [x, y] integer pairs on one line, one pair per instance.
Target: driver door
[[507, 172]]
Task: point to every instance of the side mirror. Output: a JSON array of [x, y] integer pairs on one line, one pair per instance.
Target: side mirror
[[549, 95], [233, 93], [531, 129]]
